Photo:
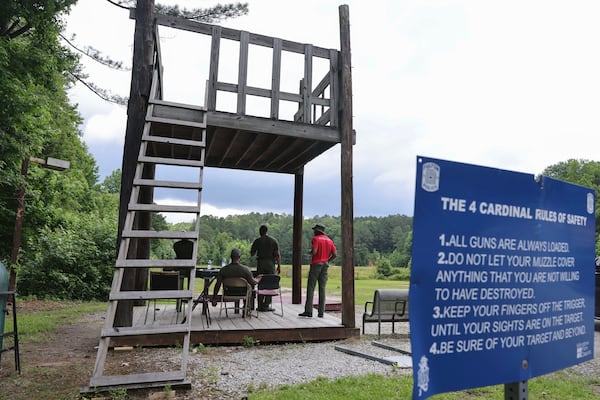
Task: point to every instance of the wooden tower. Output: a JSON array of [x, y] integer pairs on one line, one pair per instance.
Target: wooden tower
[[162, 133]]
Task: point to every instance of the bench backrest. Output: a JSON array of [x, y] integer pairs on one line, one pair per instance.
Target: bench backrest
[[384, 300]]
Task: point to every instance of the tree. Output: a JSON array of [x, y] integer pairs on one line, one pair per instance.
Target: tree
[[36, 118], [112, 183], [18, 17], [69, 228], [581, 172], [213, 14]]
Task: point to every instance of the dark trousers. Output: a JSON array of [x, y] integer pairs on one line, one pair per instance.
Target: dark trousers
[[317, 273]]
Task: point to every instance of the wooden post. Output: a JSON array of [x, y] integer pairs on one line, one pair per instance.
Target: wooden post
[[297, 239], [347, 211], [141, 79]]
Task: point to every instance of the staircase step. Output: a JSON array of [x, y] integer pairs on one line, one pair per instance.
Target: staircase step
[[171, 161], [186, 106], [146, 330], [116, 380], [151, 295], [167, 184], [177, 114], [159, 234], [170, 140], [134, 263], [163, 208]]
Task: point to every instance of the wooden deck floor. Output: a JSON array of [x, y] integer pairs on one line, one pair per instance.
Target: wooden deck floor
[[268, 327]]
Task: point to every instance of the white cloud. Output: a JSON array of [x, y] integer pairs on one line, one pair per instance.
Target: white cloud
[[511, 85], [205, 209], [106, 128]]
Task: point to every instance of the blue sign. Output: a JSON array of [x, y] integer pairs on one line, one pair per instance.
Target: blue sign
[[502, 280]]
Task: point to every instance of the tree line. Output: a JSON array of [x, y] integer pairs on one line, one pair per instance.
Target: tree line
[[386, 237]]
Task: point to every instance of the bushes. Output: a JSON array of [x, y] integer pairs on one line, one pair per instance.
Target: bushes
[[386, 271], [72, 263]]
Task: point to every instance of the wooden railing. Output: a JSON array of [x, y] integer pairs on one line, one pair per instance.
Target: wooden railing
[[156, 87], [317, 104]]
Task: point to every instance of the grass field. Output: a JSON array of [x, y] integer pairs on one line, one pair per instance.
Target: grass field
[[364, 282], [557, 386]]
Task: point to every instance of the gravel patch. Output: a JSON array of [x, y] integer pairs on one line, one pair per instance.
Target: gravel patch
[[235, 371]]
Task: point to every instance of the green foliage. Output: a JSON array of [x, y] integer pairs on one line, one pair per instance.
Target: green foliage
[[580, 172], [370, 386], [161, 248], [73, 262], [555, 386], [69, 227], [214, 14], [112, 183], [400, 274], [384, 267], [18, 17], [219, 235], [118, 394], [364, 287], [248, 341], [34, 327]]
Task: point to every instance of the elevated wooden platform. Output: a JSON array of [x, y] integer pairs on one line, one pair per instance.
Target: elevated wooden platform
[[237, 141], [267, 328]]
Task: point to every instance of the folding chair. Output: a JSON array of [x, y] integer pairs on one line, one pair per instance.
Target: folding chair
[[162, 281], [234, 290], [268, 286]]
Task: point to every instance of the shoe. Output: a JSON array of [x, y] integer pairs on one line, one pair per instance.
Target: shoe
[[320, 315], [269, 309], [305, 314]]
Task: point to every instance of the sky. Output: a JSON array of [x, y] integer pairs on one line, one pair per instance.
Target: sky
[[510, 84]]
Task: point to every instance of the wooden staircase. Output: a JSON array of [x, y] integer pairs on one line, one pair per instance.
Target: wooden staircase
[[170, 143]]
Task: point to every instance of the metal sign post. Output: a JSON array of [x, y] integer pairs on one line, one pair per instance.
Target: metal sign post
[[516, 391]]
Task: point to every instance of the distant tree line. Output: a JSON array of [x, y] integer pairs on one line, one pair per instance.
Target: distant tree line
[[376, 238]]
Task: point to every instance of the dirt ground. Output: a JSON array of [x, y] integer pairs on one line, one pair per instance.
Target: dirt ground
[[60, 367], [56, 369]]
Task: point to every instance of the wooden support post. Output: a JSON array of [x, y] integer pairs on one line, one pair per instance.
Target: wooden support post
[[297, 239], [141, 79], [347, 211]]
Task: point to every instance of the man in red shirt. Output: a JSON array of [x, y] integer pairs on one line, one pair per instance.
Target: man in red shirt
[[323, 251]]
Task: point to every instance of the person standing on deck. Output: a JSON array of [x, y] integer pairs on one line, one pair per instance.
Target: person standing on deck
[[266, 250], [323, 251]]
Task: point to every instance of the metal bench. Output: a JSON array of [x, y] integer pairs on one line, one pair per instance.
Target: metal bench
[[388, 305]]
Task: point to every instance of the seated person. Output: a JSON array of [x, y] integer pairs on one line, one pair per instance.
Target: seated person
[[232, 270], [184, 249]]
